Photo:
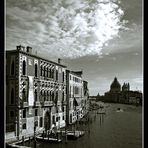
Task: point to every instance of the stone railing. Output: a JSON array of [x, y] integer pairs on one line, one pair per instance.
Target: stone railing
[[25, 104], [47, 103], [37, 103]]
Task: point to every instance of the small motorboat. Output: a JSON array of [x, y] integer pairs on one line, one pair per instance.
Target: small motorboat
[[119, 109], [73, 135], [48, 139]]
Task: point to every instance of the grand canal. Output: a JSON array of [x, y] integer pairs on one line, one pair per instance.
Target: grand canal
[[112, 130]]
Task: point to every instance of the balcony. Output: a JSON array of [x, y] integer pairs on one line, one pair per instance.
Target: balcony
[[24, 77], [59, 103], [37, 103], [48, 103], [35, 118], [25, 104], [64, 102]]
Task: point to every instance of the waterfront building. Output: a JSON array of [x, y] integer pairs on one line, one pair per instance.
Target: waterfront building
[[85, 103], [35, 94], [75, 96], [135, 97], [114, 94], [124, 95]]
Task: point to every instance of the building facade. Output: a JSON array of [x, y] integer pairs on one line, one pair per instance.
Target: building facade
[[114, 93], [85, 103], [35, 93], [75, 96]]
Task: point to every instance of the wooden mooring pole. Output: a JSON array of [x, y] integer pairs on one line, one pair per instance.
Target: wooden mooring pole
[[23, 140]]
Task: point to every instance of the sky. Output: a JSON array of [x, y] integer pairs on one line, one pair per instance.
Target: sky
[[103, 38]]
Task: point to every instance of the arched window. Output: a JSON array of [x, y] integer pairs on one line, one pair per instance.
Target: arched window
[[44, 95], [41, 121], [50, 71], [24, 113], [44, 71], [24, 67], [24, 95], [41, 95], [50, 96], [24, 126], [47, 73], [36, 70], [12, 96], [42, 92], [12, 68], [53, 96], [56, 74], [63, 76], [35, 93], [63, 109], [63, 96], [56, 99], [36, 112], [41, 70]]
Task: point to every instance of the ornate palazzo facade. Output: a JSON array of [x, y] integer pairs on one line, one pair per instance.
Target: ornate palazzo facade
[[35, 93]]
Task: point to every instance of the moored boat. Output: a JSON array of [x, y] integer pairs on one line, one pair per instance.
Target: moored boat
[[119, 110], [49, 139], [73, 135]]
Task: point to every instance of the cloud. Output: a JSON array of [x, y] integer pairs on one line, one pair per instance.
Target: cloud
[[128, 41], [69, 28], [138, 80], [127, 67]]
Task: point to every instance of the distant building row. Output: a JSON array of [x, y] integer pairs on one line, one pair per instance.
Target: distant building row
[[122, 94], [41, 93]]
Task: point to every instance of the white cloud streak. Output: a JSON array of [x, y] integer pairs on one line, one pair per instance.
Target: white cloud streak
[[70, 28]]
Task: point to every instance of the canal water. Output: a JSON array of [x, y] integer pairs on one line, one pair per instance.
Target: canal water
[[111, 130]]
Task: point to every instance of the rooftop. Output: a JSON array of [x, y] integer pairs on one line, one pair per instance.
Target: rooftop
[[28, 51]]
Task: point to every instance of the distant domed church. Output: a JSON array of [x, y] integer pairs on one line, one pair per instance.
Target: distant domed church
[[124, 95], [115, 86], [114, 94]]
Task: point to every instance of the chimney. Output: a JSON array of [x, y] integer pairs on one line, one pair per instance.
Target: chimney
[[59, 60], [20, 48], [29, 49]]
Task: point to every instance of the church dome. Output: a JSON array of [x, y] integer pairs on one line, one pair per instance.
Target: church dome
[[115, 86]]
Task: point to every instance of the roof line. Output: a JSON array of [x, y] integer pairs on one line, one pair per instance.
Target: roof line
[[36, 57]]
